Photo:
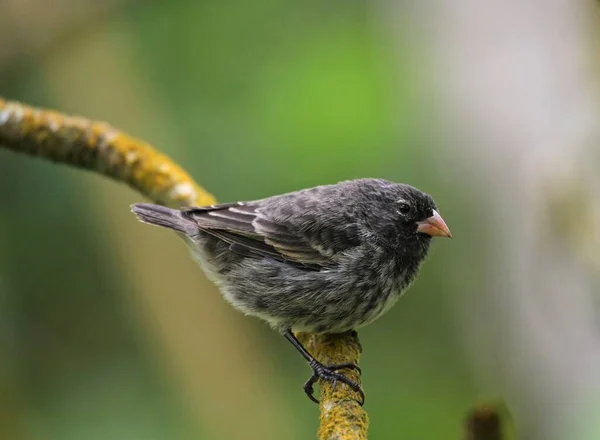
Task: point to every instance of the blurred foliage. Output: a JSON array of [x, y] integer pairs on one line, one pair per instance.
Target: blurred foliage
[[252, 98]]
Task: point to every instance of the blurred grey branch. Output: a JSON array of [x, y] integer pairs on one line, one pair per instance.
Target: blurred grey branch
[[513, 87]]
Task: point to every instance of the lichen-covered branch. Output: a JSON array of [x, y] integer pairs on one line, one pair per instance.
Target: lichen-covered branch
[[98, 147], [342, 417]]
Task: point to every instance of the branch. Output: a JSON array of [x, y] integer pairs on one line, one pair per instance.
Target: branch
[[342, 418], [98, 147], [484, 422]]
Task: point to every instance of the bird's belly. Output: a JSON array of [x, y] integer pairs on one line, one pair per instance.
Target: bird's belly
[[340, 318]]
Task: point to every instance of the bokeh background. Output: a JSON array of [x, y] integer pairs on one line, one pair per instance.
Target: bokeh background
[[108, 330]]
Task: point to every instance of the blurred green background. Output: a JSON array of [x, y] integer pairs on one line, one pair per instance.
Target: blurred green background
[[108, 330]]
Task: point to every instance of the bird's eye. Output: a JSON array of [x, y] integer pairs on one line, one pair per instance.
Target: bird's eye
[[403, 208]]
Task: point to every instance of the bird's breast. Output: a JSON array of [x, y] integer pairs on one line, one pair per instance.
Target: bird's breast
[[395, 279]]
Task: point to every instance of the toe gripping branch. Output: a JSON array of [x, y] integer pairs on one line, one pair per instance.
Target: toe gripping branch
[[329, 373], [332, 349]]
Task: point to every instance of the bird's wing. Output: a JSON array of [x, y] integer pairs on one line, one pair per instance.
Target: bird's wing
[[249, 229]]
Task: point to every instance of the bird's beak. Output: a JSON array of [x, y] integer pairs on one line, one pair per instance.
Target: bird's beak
[[434, 226]]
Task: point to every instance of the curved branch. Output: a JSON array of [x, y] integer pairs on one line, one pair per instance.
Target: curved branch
[[96, 146]]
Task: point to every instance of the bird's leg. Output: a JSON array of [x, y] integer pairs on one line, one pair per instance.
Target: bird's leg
[[321, 371]]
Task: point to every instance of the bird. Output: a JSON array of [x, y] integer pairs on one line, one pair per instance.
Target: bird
[[327, 259]]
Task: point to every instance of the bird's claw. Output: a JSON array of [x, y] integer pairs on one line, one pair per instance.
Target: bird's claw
[[329, 374]]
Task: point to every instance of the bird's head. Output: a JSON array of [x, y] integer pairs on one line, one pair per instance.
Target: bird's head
[[407, 218], [419, 215]]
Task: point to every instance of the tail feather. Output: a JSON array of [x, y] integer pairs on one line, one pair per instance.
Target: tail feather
[[165, 217]]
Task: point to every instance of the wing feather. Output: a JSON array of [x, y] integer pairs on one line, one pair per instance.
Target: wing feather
[[250, 231]]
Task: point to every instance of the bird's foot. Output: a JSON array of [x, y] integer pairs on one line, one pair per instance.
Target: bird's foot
[[329, 374]]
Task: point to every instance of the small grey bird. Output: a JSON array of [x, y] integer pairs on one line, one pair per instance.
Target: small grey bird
[[328, 259]]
